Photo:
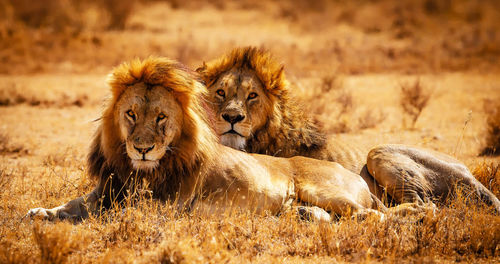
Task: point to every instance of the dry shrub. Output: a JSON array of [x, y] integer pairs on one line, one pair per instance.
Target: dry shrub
[[119, 11], [151, 231], [63, 158], [293, 10], [13, 94], [493, 137], [66, 15], [186, 50], [371, 118], [34, 35], [345, 102], [4, 180], [169, 252], [430, 36], [58, 241], [10, 252], [331, 99], [461, 231], [58, 15], [8, 147], [337, 103], [413, 99], [331, 82], [128, 227], [489, 175], [344, 122]]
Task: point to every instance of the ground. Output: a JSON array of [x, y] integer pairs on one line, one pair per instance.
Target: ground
[[346, 71]]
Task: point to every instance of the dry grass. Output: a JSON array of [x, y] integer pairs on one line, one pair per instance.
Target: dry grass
[[153, 232], [489, 175], [14, 95], [62, 158], [371, 119], [413, 99], [9, 147], [372, 47], [46, 92], [493, 135], [357, 37], [56, 245], [335, 108]]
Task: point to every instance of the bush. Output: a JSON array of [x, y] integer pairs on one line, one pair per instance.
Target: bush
[[489, 175], [493, 137], [414, 98]]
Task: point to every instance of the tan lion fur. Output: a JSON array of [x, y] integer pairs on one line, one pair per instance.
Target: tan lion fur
[[408, 174], [196, 171]]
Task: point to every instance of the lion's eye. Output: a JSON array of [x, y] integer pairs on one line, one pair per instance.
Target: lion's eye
[[161, 117], [131, 114], [221, 92], [252, 96]]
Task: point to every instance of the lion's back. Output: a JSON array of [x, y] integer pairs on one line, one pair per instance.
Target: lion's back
[[348, 154]]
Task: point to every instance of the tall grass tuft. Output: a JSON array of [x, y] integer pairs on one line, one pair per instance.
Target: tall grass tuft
[[488, 173], [413, 99], [57, 242], [493, 137]]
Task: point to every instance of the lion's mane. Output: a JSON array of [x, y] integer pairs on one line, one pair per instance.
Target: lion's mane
[[289, 131], [108, 161]]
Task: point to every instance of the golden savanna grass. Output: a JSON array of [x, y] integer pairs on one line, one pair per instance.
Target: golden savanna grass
[[347, 63], [492, 146]]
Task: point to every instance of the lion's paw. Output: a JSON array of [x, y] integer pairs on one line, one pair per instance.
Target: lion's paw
[[40, 213], [313, 213], [364, 214], [413, 209]]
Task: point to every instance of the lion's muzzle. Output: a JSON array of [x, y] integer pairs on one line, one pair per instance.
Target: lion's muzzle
[[143, 151], [233, 119]]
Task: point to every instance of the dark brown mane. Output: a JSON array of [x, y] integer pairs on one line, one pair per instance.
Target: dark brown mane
[[289, 132]]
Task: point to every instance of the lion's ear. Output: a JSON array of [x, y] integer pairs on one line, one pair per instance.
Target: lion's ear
[[280, 73], [202, 69], [278, 79]]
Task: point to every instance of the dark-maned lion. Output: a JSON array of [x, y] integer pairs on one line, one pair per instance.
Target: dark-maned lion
[[155, 129], [255, 112]]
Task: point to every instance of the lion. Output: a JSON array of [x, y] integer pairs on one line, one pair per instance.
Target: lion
[[255, 112], [155, 129]]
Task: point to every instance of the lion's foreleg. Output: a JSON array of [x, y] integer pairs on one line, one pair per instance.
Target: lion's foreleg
[[76, 209]]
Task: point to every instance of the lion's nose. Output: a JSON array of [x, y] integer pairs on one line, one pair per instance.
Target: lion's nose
[[233, 119], [144, 150]]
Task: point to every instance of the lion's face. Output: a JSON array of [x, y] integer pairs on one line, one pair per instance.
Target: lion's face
[[241, 104], [149, 119]]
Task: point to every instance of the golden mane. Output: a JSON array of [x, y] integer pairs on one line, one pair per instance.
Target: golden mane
[[269, 71], [289, 131], [108, 156]]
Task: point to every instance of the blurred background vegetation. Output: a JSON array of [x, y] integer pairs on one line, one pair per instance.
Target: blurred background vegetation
[[360, 36]]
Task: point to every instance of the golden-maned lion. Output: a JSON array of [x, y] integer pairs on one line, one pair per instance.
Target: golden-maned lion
[[255, 112], [155, 130]]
